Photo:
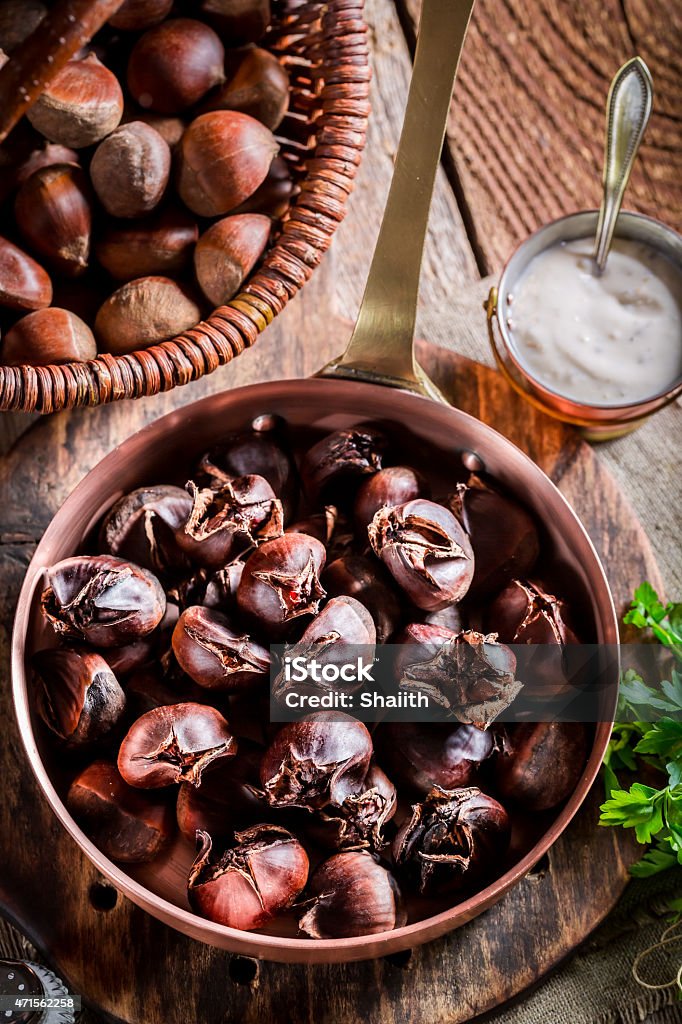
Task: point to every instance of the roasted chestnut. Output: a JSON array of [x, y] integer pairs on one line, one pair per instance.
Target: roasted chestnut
[[339, 460], [351, 894], [392, 486], [426, 550], [358, 824], [80, 698], [281, 582], [251, 882], [257, 451], [227, 797], [542, 763], [423, 756], [216, 656], [122, 822], [101, 599], [366, 581], [174, 744], [454, 837], [141, 527]]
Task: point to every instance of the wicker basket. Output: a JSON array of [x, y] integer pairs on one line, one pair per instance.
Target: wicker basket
[[323, 45]]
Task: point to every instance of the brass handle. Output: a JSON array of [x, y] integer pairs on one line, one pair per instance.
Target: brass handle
[[381, 348]]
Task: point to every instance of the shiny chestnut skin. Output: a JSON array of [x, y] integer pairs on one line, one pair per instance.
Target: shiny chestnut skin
[[542, 764], [240, 21], [256, 85], [53, 211], [503, 535], [159, 245], [453, 838], [173, 65], [281, 582], [174, 743], [391, 486], [259, 452], [368, 582], [358, 824], [252, 881], [80, 698], [426, 550], [332, 467], [125, 824], [215, 655], [141, 527], [351, 894], [227, 797], [421, 756], [101, 599], [317, 762]]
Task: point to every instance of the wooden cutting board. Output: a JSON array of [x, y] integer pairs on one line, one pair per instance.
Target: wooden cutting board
[[133, 968]]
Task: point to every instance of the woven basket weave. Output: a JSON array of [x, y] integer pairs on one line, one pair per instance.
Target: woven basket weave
[[324, 48]]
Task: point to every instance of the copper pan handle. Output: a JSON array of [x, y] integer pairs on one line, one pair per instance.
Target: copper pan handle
[[381, 348]]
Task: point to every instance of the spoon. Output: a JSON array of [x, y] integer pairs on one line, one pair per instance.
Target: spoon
[[628, 108]]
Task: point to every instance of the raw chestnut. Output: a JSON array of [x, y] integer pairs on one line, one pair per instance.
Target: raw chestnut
[[24, 285], [392, 486], [121, 821], [454, 838], [423, 756], [171, 128], [273, 197], [351, 894], [137, 15], [81, 105], [340, 459], [101, 599], [224, 156], [18, 20], [502, 534], [240, 21], [46, 337], [173, 65], [80, 698], [160, 245], [358, 824], [172, 744], [543, 763], [252, 881], [228, 252], [358, 577], [141, 527], [258, 86], [281, 582], [144, 312], [317, 762], [226, 797], [216, 656], [54, 214], [320, 525], [259, 452], [129, 170], [426, 550], [45, 156], [226, 522]]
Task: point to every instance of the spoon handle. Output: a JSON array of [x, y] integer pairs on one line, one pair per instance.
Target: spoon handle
[[381, 347], [627, 114]]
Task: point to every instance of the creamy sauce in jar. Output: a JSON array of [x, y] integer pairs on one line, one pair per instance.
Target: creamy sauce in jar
[[600, 340]]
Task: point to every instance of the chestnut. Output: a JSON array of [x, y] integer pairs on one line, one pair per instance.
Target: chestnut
[[81, 104], [359, 822], [137, 15], [134, 656], [46, 337], [426, 550], [129, 170], [54, 214], [250, 882], [339, 460], [101, 599], [174, 64], [226, 522], [321, 525], [227, 252], [542, 763], [257, 85], [223, 157], [351, 894], [226, 798], [281, 582], [240, 21], [455, 837], [503, 535], [121, 821], [144, 312], [80, 698], [141, 527], [214, 655], [258, 451], [159, 245], [220, 590], [18, 20], [24, 285], [45, 156], [175, 743], [317, 762], [272, 197], [365, 580], [392, 486], [420, 757]]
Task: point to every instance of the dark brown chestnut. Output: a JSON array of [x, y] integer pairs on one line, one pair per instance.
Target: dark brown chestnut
[[542, 763], [214, 655], [174, 744], [141, 527], [454, 838], [173, 65], [392, 486], [24, 285], [317, 762], [125, 824], [273, 196], [80, 698], [280, 583], [256, 85], [227, 797], [366, 581], [358, 824], [101, 599], [502, 533], [53, 211], [137, 15], [351, 894], [239, 21], [321, 525], [226, 522], [332, 466], [420, 757], [129, 170], [255, 451], [426, 550], [161, 245], [250, 882]]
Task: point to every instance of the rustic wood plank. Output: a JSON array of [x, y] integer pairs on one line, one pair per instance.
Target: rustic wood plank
[[525, 136]]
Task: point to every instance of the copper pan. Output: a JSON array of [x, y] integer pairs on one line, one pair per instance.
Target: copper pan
[[380, 352]]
